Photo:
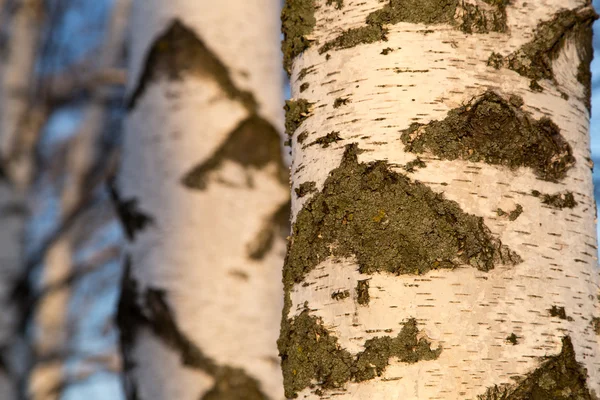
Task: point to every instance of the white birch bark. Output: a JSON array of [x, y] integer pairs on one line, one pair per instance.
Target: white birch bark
[[419, 74], [201, 183]]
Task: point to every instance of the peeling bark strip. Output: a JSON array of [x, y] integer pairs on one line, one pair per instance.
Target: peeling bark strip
[[534, 59], [132, 219], [311, 355], [560, 377], [495, 131], [253, 143], [155, 315], [389, 223], [178, 53], [472, 19], [557, 200]]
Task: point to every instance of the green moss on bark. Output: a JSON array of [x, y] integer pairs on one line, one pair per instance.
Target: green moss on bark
[[473, 19], [596, 325], [339, 4], [340, 102], [179, 53], [297, 21], [513, 215], [304, 86], [557, 200], [389, 223], [534, 59], [305, 188], [254, 133], [492, 130], [312, 356], [560, 377], [296, 111]]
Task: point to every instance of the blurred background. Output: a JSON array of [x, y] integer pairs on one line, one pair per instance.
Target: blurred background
[[68, 101]]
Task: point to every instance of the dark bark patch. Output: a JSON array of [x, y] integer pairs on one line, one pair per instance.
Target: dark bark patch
[[150, 310], [339, 4], [362, 292], [411, 166], [386, 51], [596, 325], [132, 218], [253, 143], [296, 111], [340, 295], [513, 339], [310, 355], [302, 137], [277, 224], [473, 19], [556, 200], [179, 53], [325, 141], [534, 59], [304, 86], [492, 130], [297, 21], [389, 223], [559, 377], [512, 215], [340, 102], [559, 312], [305, 188]]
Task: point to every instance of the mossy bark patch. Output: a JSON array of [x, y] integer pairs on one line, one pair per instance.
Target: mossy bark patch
[[493, 130], [179, 53], [340, 294], [302, 137], [304, 86], [534, 59], [472, 19], [296, 111], [311, 355], [512, 215], [132, 218], [559, 312], [277, 224], [305, 188], [362, 292], [254, 133], [560, 377], [325, 141], [556, 200], [297, 21], [339, 4], [596, 325], [411, 166], [150, 310], [389, 223]]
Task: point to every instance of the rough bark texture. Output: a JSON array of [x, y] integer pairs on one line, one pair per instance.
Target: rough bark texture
[[439, 164], [203, 196]]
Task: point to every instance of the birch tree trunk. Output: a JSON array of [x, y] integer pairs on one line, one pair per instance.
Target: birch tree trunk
[[203, 198], [443, 242]]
